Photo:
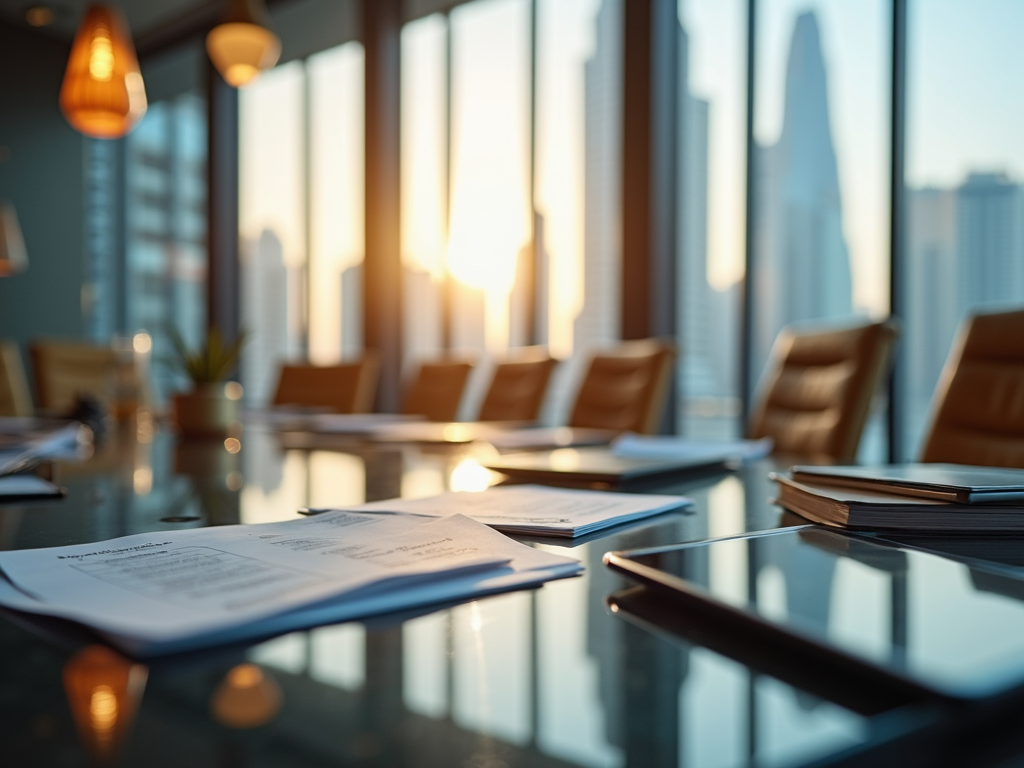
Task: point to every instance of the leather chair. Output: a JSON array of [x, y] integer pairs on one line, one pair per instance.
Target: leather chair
[[818, 390], [67, 370], [436, 391], [978, 408], [15, 399], [517, 389], [343, 388], [625, 388]]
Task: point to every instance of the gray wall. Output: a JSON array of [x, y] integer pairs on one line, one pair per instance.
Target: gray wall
[[43, 177]]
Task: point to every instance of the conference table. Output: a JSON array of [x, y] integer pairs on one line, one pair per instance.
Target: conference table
[[544, 677]]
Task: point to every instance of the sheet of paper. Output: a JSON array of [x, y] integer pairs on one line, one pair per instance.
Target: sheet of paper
[[59, 442], [21, 486], [549, 438], [161, 586], [535, 508], [663, 447]]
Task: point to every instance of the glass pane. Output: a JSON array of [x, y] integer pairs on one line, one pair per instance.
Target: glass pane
[[165, 233], [822, 164], [272, 211], [712, 125], [336, 204], [424, 182], [964, 166], [490, 223], [579, 133]]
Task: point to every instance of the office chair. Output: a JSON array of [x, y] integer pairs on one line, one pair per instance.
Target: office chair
[[518, 386], [343, 388], [436, 390], [15, 399], [978, 408], [67, 370], [818, 390], [625, 388]]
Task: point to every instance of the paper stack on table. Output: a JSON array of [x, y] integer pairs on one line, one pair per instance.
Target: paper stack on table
[[634, 446], [178, 590], [22, 449], [923, 497], [534, 509]]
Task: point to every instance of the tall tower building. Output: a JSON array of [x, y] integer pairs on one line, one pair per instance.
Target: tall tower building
[[352, 311], [932, 301], [264, 315], [990, 240], [802, 265], [699, 337]]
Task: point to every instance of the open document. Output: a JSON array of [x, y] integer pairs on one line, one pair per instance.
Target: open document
[[536, 510], [170, 591]]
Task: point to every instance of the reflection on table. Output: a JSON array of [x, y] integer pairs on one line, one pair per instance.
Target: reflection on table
[[543, 677]]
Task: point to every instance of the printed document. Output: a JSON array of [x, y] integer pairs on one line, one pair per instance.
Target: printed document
[[537, 510], [171, 589]]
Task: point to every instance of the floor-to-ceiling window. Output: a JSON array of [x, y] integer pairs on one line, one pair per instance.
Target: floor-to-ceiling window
[[964, 247], [146, 225], [711, 189], [301, 215], [821, 170]]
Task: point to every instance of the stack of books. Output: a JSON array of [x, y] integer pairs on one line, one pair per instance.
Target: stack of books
[[906, 497]]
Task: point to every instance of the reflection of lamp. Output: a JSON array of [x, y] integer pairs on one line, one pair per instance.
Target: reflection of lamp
[[103, 95], [12, 246], [241, 46], [246, 698], [104, 690]]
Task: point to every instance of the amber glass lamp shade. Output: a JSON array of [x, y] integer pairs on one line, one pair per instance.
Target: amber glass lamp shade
[[103, 95], [247, 697], [104, 690], [241, 46]]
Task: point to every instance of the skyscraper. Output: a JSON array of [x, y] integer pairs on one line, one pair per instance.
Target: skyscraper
[[264, 315], [990, 240], [932, 301], [802, 265], [965, 250]]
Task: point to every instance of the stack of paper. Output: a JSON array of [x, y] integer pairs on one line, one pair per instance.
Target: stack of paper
[[911, 497], [535, 510], [172, 591], [634, 446], [22, 449], [601, 467]]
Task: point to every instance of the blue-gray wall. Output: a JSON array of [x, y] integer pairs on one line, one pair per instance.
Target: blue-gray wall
[[43, 177]]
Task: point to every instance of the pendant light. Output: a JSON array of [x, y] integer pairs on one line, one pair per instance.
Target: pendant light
[[241, 46], [103, 95]]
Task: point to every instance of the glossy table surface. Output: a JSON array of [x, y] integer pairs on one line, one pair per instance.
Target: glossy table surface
[[548, 677]]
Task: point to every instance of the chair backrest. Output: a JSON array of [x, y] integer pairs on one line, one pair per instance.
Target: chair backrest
[[436, 391], [818, 388], [15, 399], [518, 386], [978, 408], [66, 370], [625, 387], [344, 388]]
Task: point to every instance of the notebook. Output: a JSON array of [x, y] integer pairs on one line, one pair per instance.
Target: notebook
[[942, 482], [869, 510]]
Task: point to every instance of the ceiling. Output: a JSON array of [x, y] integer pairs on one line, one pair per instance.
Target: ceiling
[[157, 24], [145, 17]]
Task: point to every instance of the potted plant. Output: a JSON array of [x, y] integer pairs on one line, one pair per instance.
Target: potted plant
[[211, 408]]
